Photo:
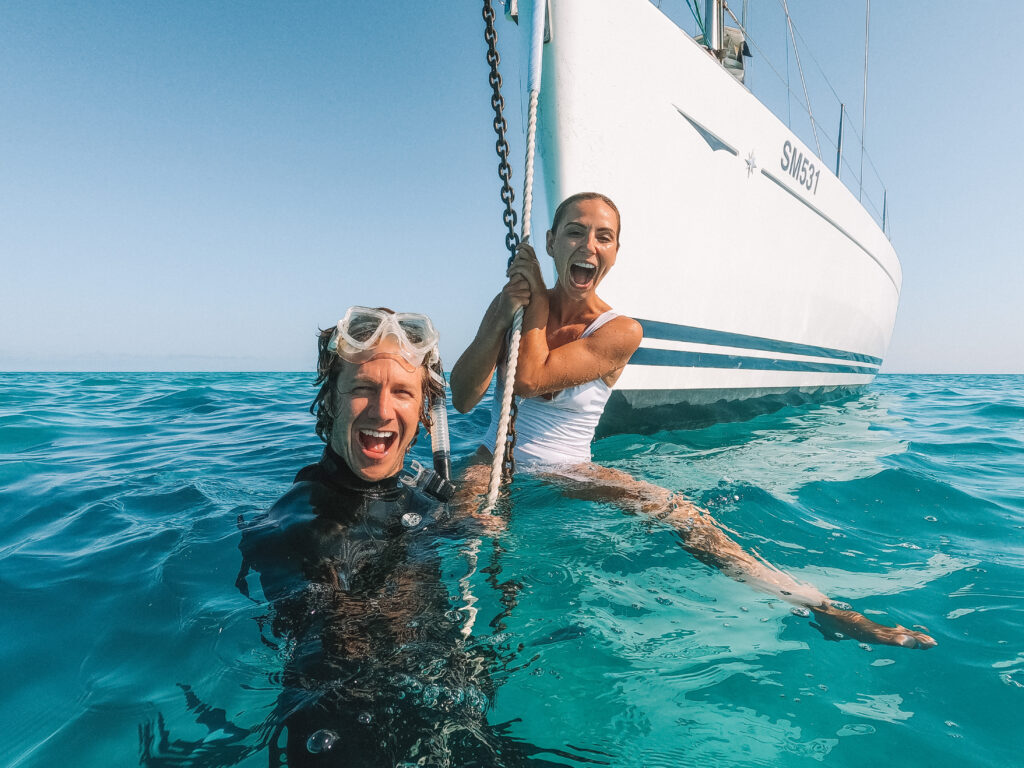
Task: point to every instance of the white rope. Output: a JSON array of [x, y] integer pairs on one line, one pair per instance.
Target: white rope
[[466, 588], [531, 145], [536, 56], [473, 550], [506, 411]]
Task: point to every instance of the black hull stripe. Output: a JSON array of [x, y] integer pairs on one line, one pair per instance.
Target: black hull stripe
[[680, 359], [653, 329]]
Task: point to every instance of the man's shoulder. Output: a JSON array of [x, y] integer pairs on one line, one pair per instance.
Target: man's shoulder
[[300, 491], [312, 471]]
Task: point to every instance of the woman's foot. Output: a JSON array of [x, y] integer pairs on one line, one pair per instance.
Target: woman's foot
[[859, 627]]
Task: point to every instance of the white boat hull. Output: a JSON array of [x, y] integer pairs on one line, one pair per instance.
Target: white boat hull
[[750, 279]]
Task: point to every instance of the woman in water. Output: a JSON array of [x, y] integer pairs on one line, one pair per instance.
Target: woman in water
[[573, 350], [573, 347]]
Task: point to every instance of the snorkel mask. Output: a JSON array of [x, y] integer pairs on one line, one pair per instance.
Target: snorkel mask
[[361, 331]]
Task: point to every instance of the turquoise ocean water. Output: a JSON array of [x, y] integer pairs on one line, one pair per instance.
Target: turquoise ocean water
[[119, 551]]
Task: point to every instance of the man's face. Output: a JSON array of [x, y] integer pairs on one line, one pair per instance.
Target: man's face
[[377, 409]]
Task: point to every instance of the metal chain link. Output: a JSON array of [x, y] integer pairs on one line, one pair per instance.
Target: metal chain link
[[500, 126], [508, 468], [507, 196]]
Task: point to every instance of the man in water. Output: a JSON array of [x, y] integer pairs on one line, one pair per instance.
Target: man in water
[[378, 672]]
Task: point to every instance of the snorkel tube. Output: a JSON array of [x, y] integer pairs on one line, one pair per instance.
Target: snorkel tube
[[439, 442], [437, 481]]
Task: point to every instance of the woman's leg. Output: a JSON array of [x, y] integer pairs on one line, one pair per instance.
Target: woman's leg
[[709, 542]]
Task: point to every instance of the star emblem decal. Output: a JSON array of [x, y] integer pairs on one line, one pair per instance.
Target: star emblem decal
[[751, 164]]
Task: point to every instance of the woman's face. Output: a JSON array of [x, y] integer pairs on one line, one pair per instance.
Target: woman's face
[[584, 246]]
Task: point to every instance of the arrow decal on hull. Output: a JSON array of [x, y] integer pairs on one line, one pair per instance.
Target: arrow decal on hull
[[713, 141]]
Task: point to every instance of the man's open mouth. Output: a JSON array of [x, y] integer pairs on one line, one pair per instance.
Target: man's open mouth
[[376, 442], [582, 274]]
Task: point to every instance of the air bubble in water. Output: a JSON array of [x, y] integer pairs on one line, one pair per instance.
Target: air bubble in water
[[430, 694], [857, 729], [802, 612], [866, 647], [411, 519], [365, 718], [321, 741], [931, 518], [841, 606]]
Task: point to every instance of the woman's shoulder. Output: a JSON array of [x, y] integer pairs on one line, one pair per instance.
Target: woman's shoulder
[[611, 324]]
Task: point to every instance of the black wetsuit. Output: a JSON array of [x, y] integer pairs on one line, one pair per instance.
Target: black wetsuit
[[376, 669], [376, 660]]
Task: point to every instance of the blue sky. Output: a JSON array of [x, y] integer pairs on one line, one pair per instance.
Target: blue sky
[[199, 186]]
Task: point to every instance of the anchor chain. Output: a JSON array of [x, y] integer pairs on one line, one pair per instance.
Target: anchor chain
[[509, 216], [507, 195], [508, 468]]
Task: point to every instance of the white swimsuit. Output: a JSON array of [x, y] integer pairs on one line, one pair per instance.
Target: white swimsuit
[[558, 430]]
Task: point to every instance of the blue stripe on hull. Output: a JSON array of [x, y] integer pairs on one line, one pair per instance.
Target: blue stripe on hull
[[680, 359], [654, 329]]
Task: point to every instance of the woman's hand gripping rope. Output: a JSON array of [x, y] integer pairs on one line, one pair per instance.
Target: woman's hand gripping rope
[[525, 281]]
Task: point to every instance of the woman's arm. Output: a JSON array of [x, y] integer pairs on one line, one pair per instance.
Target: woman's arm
[[540, 369], [472, 373]]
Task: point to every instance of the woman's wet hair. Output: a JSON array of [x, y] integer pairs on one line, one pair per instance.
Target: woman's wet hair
[[579, 197], [329, 366]]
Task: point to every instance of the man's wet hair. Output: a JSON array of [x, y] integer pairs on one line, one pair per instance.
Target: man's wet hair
[[329, 366]]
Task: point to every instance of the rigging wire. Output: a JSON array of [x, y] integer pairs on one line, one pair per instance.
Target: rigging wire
[[789, 90], [858, 134], [784, 79], [864, 106], [803, 82], [742, 25], [821, 70], [696, 17]]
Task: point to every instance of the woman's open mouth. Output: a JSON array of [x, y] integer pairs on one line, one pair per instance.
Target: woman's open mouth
[[376, 443], [582, 274]]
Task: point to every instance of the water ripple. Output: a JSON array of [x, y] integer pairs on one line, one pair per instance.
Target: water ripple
[[118, 555]]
